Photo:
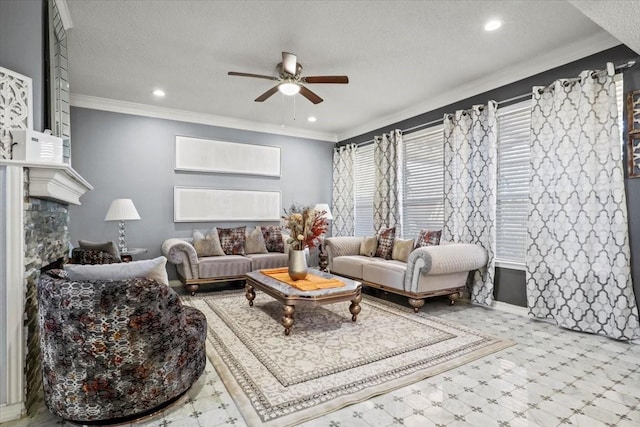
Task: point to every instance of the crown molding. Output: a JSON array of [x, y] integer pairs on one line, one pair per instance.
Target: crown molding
[[65, 16], [555, 58], [125, 107]]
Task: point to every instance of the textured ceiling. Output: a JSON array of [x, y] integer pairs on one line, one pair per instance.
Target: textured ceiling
[[402, 57], [620, 18]]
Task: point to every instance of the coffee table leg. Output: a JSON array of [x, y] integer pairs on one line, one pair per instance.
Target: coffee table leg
[[287, 318], [250, 294], [355, 308]]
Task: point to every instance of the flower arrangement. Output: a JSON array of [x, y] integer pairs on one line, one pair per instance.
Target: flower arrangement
[[305, 225]]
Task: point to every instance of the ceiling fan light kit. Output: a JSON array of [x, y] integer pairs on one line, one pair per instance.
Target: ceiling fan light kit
[[289, 88], [290, 82]]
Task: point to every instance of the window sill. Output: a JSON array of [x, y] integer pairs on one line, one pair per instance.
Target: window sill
[[511, 265]]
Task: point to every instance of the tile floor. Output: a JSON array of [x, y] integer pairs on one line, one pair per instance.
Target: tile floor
[[552, 377]]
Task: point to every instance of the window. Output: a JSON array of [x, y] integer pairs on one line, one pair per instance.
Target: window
[[364, 187], [422, 181], [513, 180], [422, 159], [513, 184]]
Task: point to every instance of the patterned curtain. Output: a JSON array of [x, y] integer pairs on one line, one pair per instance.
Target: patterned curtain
[[386, 206], [344, 159], [578, 260], [470, 174]]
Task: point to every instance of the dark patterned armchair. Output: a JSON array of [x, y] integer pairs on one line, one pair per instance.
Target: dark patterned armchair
[[114, 350]]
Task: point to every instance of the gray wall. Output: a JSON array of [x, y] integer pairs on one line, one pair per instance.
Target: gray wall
[[22, 47], [126, 156], [510, 284]]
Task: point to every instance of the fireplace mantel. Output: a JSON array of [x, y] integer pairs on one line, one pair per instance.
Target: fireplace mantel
[[53, 181]]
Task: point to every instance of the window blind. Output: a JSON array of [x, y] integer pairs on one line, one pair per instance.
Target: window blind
[[422, 181], [364, 188], [513, 183]]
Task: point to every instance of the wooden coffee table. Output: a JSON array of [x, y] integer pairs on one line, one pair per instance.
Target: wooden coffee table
[[291, 297]]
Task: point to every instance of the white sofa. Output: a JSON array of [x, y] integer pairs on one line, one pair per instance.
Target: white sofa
[[429, 271]]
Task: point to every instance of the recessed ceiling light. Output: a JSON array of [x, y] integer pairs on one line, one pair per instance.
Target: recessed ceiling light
[[492, 25], [311, 119], [159, 92]]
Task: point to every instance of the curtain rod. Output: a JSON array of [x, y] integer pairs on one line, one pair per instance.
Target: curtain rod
[[610, 69], [617, 68]]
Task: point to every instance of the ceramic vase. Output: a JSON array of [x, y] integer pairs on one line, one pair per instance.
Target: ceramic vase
[[297, 264]]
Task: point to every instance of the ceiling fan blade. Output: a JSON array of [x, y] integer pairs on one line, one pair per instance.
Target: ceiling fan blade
[[289, 63], [267, 94], [310, 95], [257, 76], [326, 79]]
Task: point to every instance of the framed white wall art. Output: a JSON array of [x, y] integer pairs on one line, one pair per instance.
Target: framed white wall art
[[199, 204], [209, 155]]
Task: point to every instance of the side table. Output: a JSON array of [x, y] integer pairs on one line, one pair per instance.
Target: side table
[[127, 256]]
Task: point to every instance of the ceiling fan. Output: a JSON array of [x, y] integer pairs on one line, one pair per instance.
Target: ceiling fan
[[290, 81]]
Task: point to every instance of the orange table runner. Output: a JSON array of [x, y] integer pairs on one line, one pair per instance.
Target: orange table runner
[[310, 283]]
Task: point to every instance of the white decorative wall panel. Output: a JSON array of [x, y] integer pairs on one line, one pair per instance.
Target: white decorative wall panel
[[16, 107], [208, 155], [209, 204]]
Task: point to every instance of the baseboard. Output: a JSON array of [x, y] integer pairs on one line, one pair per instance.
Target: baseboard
[[175, 283], [11, 412], [510, 308]]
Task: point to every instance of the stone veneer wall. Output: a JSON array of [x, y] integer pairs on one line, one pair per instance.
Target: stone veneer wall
[[46, 237]]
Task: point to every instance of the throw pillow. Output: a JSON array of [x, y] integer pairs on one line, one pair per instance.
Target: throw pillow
[[402, 249], [57, 273], [232, 240], [92, 256], [108, 247], [428, 238], [254, 242], [368, 246], [208, 245], [152, 268], [386, 236], [272, 235]]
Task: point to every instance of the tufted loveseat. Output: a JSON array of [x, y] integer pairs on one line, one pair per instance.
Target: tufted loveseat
[[194, 270], [115, 350], [429, 271]]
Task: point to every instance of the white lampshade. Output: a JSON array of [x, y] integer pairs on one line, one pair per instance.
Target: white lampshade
[[324, 207], [122, 210]]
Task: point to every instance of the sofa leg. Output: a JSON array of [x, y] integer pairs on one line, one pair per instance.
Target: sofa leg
[[454, 297], [416, 304], [192, 288]]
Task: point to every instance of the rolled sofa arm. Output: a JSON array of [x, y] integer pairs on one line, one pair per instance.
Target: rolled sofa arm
[[443, 259], [179, 251], [341, 246]]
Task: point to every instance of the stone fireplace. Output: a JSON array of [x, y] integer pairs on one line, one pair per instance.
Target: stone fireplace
[[34, 232]]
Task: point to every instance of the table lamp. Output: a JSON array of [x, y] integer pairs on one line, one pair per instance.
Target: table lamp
[[122, 210]]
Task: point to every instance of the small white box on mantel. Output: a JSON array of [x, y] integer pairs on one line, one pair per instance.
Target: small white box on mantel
[[35, 146]]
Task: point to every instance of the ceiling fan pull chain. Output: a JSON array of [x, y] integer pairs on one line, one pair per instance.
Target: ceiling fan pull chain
[[282, 109]]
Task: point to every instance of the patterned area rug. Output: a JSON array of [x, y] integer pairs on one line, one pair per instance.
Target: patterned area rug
[[328, 361]]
